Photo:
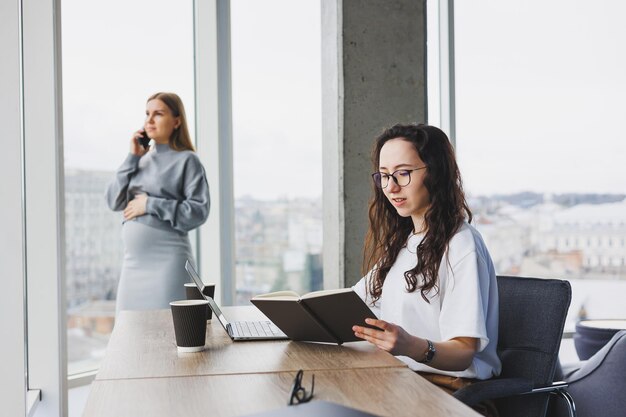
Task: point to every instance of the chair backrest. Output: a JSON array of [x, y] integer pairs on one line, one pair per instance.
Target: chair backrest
[[532, 316]]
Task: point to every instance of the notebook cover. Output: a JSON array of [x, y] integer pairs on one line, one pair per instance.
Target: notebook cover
[[340, 312], [293, 319]]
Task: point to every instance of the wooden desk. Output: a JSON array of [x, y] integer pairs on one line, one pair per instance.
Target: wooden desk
[[143, 345], [381, 391], [142, 374]]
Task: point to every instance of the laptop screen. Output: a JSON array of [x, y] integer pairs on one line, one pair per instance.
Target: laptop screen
[[196, 279]]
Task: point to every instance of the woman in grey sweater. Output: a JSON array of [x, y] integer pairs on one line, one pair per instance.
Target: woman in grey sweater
[[164, 194]]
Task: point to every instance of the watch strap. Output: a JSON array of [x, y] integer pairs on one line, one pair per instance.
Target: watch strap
[[430, 352]]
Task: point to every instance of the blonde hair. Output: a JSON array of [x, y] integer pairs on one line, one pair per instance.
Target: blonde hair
[[180, 139]]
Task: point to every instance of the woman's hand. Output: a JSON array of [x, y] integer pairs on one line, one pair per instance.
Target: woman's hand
[[136, 207], [455, 354], [135, 146], [392, 338]]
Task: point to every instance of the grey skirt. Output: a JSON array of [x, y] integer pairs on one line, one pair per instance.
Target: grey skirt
[[153, 270]]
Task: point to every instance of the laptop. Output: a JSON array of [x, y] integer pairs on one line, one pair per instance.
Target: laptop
[[238, 330]]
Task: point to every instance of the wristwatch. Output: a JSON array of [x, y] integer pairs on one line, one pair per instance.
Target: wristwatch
[[430, 353]]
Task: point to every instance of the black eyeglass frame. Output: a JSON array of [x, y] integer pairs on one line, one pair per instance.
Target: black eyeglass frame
[[393, 175], [298, 392]]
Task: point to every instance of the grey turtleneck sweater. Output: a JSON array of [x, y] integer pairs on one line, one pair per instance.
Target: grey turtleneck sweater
[[176, 185]]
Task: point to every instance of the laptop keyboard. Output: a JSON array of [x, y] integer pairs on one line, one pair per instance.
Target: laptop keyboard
[[257, 329]]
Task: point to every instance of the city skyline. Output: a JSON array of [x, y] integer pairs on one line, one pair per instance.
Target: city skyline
[[279, 245]]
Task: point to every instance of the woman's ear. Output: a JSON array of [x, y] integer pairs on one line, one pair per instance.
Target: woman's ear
[[177, 123]]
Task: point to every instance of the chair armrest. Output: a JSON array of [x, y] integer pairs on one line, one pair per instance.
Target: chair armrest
[[493, 388], [504, 387]]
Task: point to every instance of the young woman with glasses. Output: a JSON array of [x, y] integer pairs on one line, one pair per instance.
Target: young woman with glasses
[[430, 279], [163, 193]]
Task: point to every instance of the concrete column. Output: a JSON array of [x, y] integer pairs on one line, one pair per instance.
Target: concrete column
[[373, 76]]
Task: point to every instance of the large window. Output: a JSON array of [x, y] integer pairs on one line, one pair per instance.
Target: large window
[[539, 105], [276, 88], [115, 55]]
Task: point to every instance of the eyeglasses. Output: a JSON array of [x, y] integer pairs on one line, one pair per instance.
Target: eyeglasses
[[298, 393], [402, 177]]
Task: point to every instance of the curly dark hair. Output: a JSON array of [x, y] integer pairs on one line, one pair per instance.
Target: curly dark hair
[[388, 231]]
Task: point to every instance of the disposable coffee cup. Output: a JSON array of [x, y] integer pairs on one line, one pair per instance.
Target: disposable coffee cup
[[189, 324], [193, 293]]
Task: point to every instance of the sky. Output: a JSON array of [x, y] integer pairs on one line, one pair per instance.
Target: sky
[[277, 98], [112, 62], [540, 95], [537, 110]]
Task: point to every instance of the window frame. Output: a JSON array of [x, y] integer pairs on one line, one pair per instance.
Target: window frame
[[216, 243], [31, 174], [44, 204], [441, 89], [15, 397]]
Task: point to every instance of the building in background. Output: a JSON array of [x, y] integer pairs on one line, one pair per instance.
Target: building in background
[[278, 246], [560, 237], [94, 253]]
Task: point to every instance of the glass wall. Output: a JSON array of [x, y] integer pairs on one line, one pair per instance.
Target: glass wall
[[112, 62], [276, 96], [540, 141]]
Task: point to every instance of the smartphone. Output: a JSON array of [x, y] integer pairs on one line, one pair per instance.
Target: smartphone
[[144, 140]]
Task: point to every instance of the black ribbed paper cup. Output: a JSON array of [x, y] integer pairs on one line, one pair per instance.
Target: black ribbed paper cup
[[189, 324], [193, 293]]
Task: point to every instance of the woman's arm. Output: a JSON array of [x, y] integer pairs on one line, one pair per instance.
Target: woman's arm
[[452, 355], [193, 210], [116, 194]]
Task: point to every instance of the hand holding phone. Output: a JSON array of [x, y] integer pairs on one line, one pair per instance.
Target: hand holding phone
[[139, 143], [144, 140]]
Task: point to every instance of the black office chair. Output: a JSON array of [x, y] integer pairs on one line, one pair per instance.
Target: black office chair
[[532, 316]]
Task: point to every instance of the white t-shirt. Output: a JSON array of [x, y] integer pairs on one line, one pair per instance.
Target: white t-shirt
[[465, 306]]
